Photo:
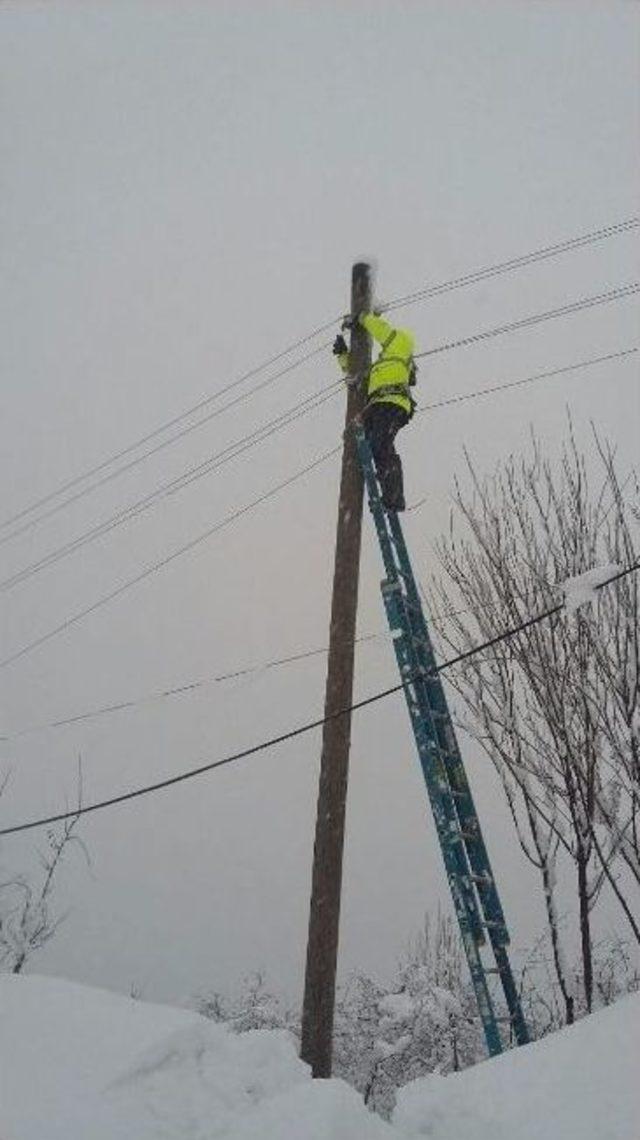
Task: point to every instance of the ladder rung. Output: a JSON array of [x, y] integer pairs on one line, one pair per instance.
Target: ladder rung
[[493, 970], [485, 880], [389, 584]]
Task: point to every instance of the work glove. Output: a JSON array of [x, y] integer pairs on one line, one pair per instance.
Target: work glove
[[348, 322], [340, 346]]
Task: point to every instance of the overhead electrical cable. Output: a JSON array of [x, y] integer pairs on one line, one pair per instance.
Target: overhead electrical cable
[[181, 690], [430, 291], [213, 463], [176, 420], [513, 263], [206, 682], [264, 432], [463, 397], [579, 306], [170, 781], [150, 570], [70, 621], [25, 526]]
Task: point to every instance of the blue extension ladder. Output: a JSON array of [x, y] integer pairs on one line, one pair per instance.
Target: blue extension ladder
[[480, 916]]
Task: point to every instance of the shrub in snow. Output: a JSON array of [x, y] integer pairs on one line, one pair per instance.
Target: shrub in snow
[[425, 1022], [429, 1023], [252, 1007]]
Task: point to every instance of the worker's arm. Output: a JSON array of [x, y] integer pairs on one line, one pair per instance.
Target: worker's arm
[[398, 341], [379, 329], [341, 353]]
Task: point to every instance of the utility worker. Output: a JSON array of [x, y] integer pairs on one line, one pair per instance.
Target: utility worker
[[389, 403]]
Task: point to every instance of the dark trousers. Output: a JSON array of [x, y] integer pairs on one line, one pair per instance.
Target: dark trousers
[[382, 422]]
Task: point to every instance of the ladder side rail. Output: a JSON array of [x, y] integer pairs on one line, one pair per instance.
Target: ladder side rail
[[487, 893], [413, 617], [470, 825], [375, 504], [462, 893], [442, 802], [456, 868], [403, 554], [512, 997], [469, 822], [473, 839]]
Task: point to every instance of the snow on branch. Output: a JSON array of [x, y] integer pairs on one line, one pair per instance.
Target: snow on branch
[[581, 589]]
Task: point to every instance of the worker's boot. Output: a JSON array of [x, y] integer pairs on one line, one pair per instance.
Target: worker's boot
[[392, 485]]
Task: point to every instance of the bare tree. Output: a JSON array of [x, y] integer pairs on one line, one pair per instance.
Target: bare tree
[[555, 706], [27, 919], [618, 662]]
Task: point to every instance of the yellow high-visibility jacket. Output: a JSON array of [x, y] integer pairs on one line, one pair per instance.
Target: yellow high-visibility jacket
[[393, 367]]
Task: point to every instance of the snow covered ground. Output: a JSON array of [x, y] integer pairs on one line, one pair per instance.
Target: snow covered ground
[[82, 1064]]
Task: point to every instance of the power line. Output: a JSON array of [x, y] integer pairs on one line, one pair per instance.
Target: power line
[[172, 422], [525, 259], [537, 318], [626, 352], [126, 514], [430, 291], [179, 690], [206, 682], [258, 436], [165, 561], [525, 322], [302, 729], [213, 463], [159, 447], [192, 686]]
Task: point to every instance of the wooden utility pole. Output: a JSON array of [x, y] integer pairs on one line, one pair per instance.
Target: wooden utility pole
[[324, 916]]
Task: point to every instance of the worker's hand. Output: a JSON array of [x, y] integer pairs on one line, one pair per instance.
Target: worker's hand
[[348, 322], [340, 346]]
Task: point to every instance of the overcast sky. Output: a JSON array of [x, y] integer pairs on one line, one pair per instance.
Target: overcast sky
[[184, 189]]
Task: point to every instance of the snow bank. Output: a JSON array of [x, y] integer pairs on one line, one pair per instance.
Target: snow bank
[[83, 1064], [579, 1084]]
